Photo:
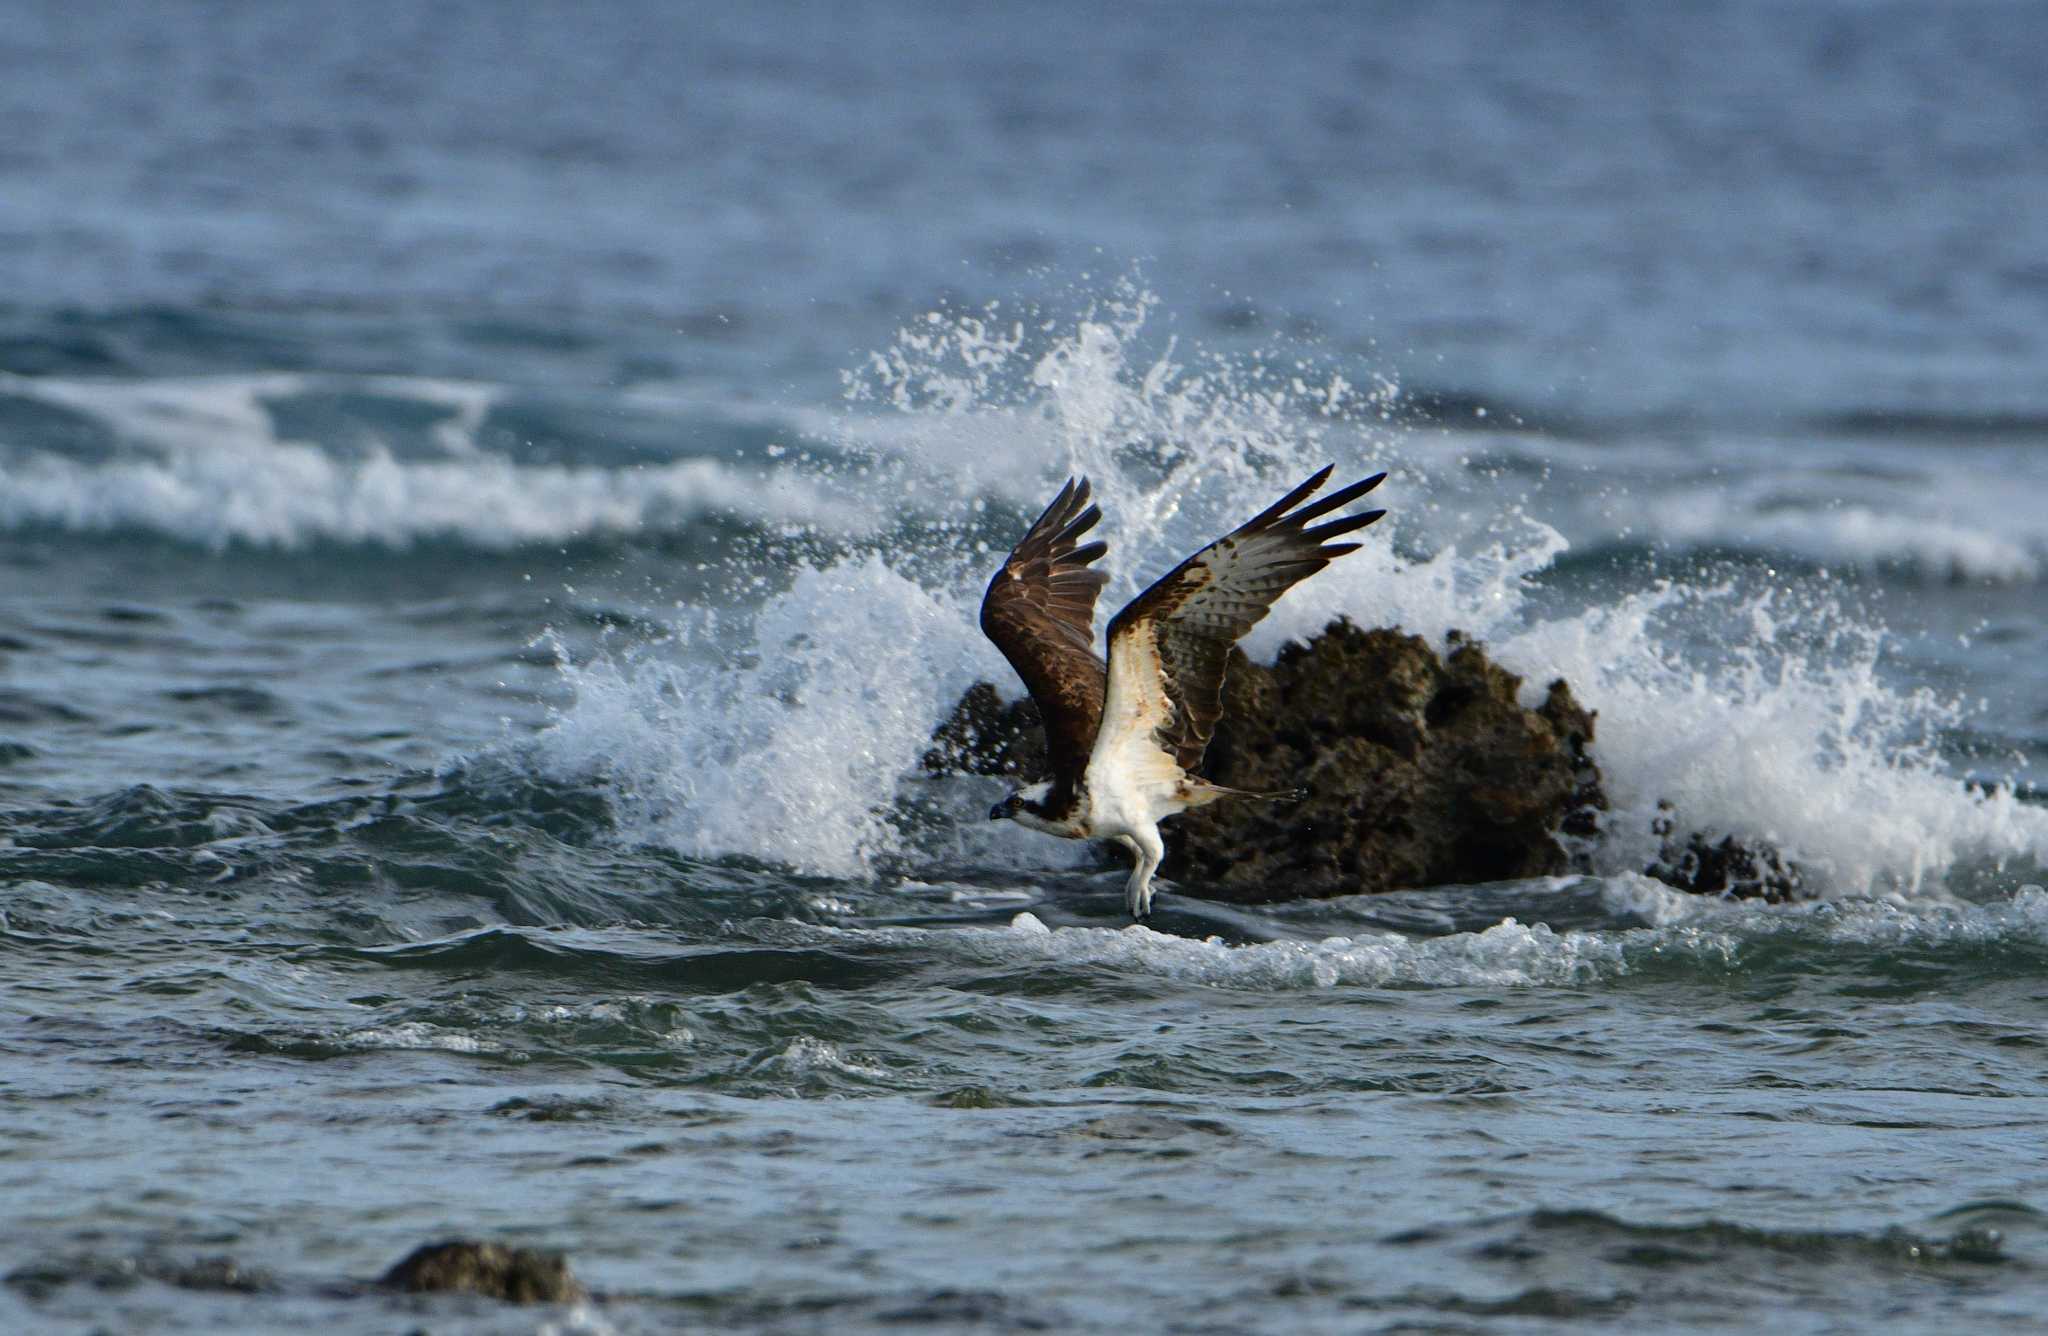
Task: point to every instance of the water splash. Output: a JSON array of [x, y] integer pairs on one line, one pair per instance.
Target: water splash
[[784, 742], [1786, 734], [1754, 717]]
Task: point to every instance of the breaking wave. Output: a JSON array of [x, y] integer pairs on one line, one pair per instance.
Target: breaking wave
[[1757, 709], [286, 461]]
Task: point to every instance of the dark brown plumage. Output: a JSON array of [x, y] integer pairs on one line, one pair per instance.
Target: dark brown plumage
[[1040, 612]]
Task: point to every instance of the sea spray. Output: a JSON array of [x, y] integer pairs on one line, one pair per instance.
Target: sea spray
[[1751, 707], [1786, 735], [786, 749]]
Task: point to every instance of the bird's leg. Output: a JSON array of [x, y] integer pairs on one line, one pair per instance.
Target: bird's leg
[[1147, 846]]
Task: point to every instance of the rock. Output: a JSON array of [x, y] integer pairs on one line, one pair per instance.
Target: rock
[[1728, 868], [1420, 770], [218, 1272], [986, 736], [461, 1266]]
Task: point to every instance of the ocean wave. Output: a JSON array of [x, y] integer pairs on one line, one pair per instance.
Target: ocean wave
[[212, 462], [792, 734], [1701, 937], [295, 496], [1847, 536], [1968, 1239]]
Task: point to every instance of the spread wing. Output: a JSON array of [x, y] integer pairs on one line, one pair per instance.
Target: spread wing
[[1040, 612], [1167, 648]]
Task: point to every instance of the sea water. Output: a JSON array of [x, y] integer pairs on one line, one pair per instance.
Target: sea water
[[494, 504]]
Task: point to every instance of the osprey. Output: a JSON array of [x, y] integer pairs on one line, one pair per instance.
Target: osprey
[[1124, 738]]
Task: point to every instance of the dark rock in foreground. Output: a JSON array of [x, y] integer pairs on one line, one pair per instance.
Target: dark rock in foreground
[[518, 1275], [1420, 770], [1727, 867]]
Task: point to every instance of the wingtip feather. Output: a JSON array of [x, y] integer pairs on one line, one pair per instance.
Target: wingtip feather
[[1288, 502], [1057, 507], [1343, 524], [1337, 499], [1077, 526]]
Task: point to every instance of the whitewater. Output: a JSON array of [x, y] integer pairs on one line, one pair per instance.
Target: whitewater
[[589, 794], [492, 512], [1788, 733]]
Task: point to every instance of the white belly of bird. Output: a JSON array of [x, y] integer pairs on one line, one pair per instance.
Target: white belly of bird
[[1132, 783], [1125, 809], [1131, 788]]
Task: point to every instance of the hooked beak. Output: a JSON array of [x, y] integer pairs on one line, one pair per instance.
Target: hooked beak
[[1002, 809]]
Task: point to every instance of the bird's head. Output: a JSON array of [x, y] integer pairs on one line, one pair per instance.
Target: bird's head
[[1029, 800]]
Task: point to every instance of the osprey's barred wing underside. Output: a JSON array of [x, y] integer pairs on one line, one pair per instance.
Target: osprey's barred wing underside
[[1168, 647], [1040, 612]]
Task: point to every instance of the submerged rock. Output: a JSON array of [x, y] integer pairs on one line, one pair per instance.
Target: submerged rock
[[462, 1266], [1420, 769], [41, 1279], [1728, 867]]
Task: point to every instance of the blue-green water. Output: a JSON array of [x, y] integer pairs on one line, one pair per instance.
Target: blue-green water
[[493, 502]]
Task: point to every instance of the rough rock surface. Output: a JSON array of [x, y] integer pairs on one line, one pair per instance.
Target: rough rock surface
[[461, 1266], [1726, 867], [1420, 770], [987, 736]]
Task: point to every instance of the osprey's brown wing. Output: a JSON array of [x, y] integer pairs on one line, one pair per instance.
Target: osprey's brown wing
[[1167, 648], [1040, 612]]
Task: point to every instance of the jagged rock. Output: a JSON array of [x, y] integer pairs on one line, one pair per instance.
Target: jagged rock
[[987, 736], [1421, 770], [1728, 868], [462, 1266]]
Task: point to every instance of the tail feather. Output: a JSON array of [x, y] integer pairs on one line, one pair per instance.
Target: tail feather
[[1200, 793]]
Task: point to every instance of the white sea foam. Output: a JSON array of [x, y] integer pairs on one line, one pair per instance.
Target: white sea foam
[[417, 1035], [204, 466], [1689, 932], [1846, 535], [806, 1056], [1508, 954], [1750, 718], [786, 746]]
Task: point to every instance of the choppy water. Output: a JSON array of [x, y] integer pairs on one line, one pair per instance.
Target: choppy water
[[492, 505]]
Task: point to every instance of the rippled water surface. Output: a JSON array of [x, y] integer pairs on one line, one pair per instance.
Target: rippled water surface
[[493, 504]]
